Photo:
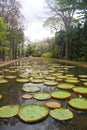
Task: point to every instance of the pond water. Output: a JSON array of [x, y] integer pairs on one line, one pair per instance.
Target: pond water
[[12, 94]]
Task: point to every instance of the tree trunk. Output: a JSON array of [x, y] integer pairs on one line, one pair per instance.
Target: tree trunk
[[3, 55], [67, 47]]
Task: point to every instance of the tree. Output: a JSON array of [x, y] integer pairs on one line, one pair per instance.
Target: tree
[[10, 11], [3, 37], [54, 24], [65, 10]]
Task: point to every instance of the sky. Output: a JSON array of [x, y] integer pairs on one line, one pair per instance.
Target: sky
[[33, 11]]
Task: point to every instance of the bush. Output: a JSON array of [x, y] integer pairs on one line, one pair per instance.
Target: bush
[[47, 54]]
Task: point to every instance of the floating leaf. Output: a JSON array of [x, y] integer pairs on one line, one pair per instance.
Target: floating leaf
[[78, 103], [53, 104], [31, 89], [50, 83], [61, 114], [85, 83], [9, 111], [65, 86], [27, 96], [0, 96], [80, 90], [60, 94], [3, 81], [42, 96], [33, 113], [37, 81], [21, 80], [10, 77]]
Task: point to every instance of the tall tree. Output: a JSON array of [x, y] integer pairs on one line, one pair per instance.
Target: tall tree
[[3, 37], [64, 9]]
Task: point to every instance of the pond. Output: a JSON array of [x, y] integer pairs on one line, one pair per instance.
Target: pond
[[47, 75]]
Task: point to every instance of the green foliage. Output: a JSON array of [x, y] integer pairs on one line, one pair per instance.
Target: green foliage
[[3, 32], [47, 54]]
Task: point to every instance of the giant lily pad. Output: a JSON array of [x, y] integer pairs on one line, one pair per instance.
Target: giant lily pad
[[65, 86], [31, 89], [53, 104], [60, 94], [72, 80], [82, 76], [9, 111], [33, 113], [50, 83], [85, 83], [3, 81], [10, 77], [42, 96], [61, 114], [27, 96], [78, 103], [50, 78], [0, 96], [80, 90], [37, 81], [1, 76], [21, 80]]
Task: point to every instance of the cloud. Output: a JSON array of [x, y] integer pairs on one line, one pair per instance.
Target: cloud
[[32, 11]]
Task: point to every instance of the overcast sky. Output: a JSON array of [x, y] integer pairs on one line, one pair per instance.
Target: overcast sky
[[33, 10]]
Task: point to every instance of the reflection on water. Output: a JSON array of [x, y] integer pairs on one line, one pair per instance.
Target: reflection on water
[[12, 94]]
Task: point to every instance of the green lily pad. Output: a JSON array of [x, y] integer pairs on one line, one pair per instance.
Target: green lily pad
[[21, 80], [27, 96], [1, 76], [10, 77], [3, 81], [82, 76], [83, 80], [80, 90], [78, 103], [65, 86], [37, 81], [72, 80], [50, 78], [9, 111], [50, 83], [42, 96], [33, 113], [85, 83], [53, 104], [31, 89], [60, 94], [61, 114], [0, 96], [24, 76]]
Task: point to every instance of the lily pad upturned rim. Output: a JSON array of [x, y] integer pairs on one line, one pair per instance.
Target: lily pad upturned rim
[[73, 81], [8, 111], [42, 96], [31, 89], [61, 114], [39, 112], [59, 94], [21, 80], [10, 77], [65, 86], [3, 81], [0, 96], [53, 104], [27, 96], [80, 90], [85, 83], [50, 83], [78, 103], [37, 81]]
